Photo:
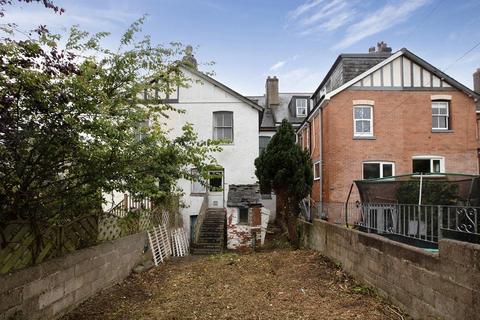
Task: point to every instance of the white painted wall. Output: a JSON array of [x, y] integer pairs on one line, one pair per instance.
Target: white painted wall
[[199, 101]]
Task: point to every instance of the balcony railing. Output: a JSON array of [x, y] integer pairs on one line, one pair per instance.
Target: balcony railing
[[425, 223]]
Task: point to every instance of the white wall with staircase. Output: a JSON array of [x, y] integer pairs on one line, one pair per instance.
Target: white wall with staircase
[[199, 101]]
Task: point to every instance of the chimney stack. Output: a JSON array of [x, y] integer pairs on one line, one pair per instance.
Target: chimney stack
[[476, 81], [382, 47], [271, 92], [189, 58]]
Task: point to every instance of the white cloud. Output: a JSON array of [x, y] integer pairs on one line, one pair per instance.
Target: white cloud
[[320, 16], [277, 65], [351, 20], [380, 20], [88, 18], [304, 8], [300, 80]]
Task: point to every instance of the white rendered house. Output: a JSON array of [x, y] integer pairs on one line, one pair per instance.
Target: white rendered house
[[216, 112]]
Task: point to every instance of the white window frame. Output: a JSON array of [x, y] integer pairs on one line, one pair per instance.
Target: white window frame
[[432, 158], [363, 134], [305, 108], [193, 190], [380, 163], [441, 104], [315, 176], [215, 137]]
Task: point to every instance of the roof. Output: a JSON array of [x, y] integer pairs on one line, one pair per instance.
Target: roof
[[342, 56], [402, 52], [243, 195], [224, 88], [275, 114]]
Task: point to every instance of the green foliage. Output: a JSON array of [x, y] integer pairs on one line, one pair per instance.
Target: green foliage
[[284, 167], [74, 123], [433, 192]]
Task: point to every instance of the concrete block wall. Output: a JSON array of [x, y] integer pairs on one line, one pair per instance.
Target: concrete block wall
[[427, 285], [52, 288]]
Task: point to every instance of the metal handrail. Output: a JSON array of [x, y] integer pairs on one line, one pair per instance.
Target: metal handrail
[[201, 217]]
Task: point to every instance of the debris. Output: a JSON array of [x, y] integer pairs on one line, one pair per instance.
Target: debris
[[200, 287]]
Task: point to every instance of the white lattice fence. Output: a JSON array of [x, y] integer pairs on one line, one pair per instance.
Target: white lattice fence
[[180, 243], [160, 243]]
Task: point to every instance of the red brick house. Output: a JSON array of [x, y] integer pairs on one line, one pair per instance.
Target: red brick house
[[381, 114]]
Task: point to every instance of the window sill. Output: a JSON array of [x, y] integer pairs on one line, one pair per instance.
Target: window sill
[[364, 138], [442, 131], [197, 194], [429, 175], [316, 179]]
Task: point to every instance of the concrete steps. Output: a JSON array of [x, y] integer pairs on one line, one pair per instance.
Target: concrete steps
[[212, 233]]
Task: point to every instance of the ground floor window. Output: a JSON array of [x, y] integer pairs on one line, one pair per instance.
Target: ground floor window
[[316, 170], [378, 169], [243, 216], [263, 142], [428, 164], [197, 185], [216, 181]]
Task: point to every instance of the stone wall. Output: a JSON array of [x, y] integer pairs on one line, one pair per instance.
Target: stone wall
[[427, 285], [52, 288]]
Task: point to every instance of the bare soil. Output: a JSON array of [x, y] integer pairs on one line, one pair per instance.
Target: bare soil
[[276, 284]]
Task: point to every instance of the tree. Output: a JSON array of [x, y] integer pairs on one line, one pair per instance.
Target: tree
[[74, 123], [286, 169]]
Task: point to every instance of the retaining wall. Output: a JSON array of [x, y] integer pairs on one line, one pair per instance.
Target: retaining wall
[[52, 288], [443, 285]]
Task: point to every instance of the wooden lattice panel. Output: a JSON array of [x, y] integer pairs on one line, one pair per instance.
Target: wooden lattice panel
[[180, 243], [160, 244]]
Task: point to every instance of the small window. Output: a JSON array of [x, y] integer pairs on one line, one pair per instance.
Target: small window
[[216, 181], [376, 170], [197, 186], [440, 115], [363, 121], [427, 164], [243, 216], [316, 170], [223, 126], [301, 105], [263, 143]]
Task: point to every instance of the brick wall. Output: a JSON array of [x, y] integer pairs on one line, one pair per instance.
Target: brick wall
[[402, 128], [427, 285], [50, 289]]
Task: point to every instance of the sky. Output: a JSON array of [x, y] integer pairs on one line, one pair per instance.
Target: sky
[[295, 40]]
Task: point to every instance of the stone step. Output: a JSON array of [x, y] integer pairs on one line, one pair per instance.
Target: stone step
[[205, 252]]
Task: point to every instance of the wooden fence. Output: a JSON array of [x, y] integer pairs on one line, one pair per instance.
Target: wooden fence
[[26, 244]]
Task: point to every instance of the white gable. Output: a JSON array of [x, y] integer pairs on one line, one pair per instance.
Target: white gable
[[401, 73], [200, 90]]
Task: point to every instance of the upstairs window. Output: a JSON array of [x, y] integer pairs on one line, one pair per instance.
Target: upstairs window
[[378, 169], [440, 115], [301, 105], [428, 164], [362, 121], [223, 126]]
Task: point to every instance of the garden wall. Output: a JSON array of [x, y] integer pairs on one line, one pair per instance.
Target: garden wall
[[52, 288], [444, 285]]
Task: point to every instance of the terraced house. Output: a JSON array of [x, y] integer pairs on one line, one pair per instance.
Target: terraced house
[[380, 114]]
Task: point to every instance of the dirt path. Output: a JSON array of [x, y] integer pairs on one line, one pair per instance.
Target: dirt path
[[281, 284]]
